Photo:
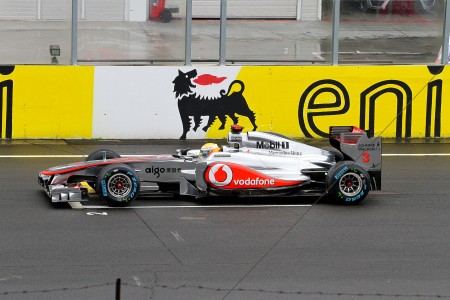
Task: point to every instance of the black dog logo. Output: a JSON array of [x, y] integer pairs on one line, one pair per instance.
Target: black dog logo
[[190, 104]]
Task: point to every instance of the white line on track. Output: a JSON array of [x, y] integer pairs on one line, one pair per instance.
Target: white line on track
[[76, 205], [124, 155], [193, 206]]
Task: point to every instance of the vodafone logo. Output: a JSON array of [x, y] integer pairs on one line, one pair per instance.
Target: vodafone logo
[[230, 176], [220, 175]]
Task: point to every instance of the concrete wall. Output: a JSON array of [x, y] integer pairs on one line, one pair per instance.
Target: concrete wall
[[151, 102]]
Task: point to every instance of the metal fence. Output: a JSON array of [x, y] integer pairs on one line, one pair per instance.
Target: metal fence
[[344, 32]]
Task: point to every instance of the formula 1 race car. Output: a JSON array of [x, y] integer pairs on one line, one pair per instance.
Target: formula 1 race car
[[253, 164]]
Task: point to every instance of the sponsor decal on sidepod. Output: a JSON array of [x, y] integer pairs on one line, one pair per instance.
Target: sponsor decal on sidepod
[[233, 176]]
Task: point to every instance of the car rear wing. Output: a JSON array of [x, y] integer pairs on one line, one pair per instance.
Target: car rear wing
[[356, 145]]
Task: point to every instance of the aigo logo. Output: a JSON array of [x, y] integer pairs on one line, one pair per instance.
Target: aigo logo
[[220, 175]]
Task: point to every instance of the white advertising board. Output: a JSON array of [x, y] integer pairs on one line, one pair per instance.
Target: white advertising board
[[142, 102]]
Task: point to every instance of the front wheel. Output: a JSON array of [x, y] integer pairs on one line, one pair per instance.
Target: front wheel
[[102, 154], [118, 185], [347, 183]]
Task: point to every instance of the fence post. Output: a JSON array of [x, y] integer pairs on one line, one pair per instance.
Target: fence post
[[188, 34], [446, 32], [118, 289], [223, 32], [74, 36], [335, 32]]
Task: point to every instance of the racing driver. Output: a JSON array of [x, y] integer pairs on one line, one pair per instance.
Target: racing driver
[[207, 149]]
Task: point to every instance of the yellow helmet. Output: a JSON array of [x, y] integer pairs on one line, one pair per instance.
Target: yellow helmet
[[207, 149]]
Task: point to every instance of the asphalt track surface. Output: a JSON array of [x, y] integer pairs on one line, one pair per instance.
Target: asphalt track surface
[[393, 245]]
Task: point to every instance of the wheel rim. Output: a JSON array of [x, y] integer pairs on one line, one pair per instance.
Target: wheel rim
[[119, 185], [350, 184]]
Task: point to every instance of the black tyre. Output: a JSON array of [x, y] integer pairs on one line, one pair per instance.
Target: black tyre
[[101, 154], [347, 183], [165, 16], [118, 185], [338, 156]]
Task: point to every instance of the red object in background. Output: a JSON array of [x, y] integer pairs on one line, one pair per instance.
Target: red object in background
[[399, 7], [158, 11], [157, 7]]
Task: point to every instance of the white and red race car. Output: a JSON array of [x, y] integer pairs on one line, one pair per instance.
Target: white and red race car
[[253, 164]]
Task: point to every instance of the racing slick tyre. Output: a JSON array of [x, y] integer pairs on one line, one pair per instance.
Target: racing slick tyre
[[347, 183], [101, 154], [118, 185]]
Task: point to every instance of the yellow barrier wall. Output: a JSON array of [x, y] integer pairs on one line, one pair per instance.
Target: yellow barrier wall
[[393, 101], [48, 101], [58, 101]]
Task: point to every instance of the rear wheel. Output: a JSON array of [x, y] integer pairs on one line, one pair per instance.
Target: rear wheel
[[118, 185], [347, 183]]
